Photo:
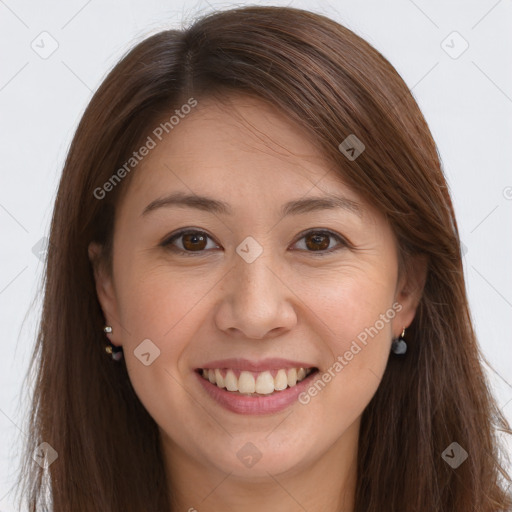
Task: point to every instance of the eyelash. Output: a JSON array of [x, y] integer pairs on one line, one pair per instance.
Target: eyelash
[[167, 243]]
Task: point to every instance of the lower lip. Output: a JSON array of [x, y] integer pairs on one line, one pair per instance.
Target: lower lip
[[242, 404]]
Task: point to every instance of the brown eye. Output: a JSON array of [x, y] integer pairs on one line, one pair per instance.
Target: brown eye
[[320, 242], [194, 242], [191, 241], [317, 241]]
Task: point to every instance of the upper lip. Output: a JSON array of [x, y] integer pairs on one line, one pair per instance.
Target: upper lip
[[256, 366]]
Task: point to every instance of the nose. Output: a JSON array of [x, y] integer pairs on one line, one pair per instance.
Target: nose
[[256, 302]]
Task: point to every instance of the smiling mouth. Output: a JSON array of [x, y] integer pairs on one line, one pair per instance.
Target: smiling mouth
[[251, 383]]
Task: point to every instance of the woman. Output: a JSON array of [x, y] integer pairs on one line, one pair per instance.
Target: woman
[[254, 214]]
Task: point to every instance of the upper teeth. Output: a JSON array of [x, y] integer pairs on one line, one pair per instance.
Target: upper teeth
[[264, 382]]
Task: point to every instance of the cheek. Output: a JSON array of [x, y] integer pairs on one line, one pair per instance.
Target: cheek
[[157, 301], [356, 341], [167, 307], [156, 306], [350, 304], [355, 328]]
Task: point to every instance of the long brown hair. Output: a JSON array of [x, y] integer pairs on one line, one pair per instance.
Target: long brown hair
[[333, 83]]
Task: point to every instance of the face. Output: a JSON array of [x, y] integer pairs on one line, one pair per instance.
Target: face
[[269, 283]]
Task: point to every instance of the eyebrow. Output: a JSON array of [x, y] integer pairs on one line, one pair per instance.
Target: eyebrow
[[296, 207]]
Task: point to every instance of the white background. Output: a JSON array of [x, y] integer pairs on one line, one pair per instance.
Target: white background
[[467, 102]]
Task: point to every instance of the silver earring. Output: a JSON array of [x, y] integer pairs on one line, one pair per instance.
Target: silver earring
[[115, 352], [399, 346]]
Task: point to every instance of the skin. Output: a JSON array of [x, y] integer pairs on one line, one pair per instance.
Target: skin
[[290, 302]]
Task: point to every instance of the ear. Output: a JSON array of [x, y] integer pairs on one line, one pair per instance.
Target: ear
[[409, 291], [105, 292]]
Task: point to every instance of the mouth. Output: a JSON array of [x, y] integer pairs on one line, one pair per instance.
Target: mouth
[[251, 383]]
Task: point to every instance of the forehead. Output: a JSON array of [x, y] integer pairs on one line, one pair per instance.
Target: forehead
[[236, 146], [236, 129]]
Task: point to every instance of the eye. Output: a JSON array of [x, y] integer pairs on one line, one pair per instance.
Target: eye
[[191, 241], [318, 241], [196, 241]]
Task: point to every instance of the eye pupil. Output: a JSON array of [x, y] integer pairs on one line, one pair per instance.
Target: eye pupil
[[318, 239], [193, 238]]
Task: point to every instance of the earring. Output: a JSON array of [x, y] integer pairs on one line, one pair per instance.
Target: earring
[[399, 346], [115, 352]]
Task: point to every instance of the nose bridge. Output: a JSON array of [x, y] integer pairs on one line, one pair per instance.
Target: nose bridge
[[255, 300], [252, 271], [254, 285]]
